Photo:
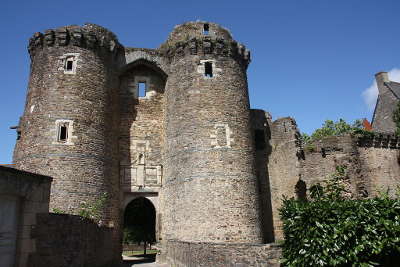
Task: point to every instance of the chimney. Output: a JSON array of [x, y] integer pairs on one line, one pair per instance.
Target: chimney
[[381, 78]]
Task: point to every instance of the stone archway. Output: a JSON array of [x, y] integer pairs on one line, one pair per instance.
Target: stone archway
[[139, 223]]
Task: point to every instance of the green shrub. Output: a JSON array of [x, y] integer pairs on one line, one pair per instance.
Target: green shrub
[[331, 128], [93, 210], [331, 229]]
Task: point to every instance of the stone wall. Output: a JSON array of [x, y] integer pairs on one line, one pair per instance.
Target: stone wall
[[66, 240], [183, 254], [320, 160], [22, 196], [283, 166], [381, 168]]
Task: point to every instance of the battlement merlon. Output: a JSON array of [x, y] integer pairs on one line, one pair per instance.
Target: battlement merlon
[[90, 36], [203, 38]]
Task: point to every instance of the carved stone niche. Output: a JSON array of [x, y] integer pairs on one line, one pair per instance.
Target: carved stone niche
[[91, 40], [49, 37], [76, 37], [62, 37], [193, 46]]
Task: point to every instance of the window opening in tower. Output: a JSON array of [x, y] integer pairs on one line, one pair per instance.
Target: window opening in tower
[[141, 89], [63, 135], [69, 64], [206, 29], [208, 69]]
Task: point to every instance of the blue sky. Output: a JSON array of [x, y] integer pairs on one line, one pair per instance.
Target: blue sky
[[311, 59]]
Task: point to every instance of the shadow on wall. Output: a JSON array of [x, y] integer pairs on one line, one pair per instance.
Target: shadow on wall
[[301, 190], [263, 149]]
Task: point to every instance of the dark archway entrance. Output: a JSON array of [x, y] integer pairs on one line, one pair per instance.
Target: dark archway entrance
[[139, 225]]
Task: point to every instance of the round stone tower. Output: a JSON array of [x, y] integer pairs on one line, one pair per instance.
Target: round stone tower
[[69, 129], [210, 187]]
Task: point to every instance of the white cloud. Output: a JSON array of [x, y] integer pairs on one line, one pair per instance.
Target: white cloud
[[371, 93]]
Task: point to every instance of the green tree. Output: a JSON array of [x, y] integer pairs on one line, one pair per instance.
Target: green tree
[[331, 128]]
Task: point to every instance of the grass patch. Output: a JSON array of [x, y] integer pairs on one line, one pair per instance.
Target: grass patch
[[139, 252]]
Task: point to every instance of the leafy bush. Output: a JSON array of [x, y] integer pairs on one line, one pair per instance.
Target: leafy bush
[[331, 229], [331, 128]]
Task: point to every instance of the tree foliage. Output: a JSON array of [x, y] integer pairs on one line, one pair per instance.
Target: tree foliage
[[331, 128], [331, 229]]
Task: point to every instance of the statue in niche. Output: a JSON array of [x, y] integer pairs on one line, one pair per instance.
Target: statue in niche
[[49, 37], [62, 37], [140, 159]]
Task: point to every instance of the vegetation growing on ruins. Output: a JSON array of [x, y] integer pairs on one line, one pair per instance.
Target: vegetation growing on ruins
[[338, 128], [93, 210], [331, 229], [331, 128]]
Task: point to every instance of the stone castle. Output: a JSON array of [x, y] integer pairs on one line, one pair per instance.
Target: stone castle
[[174, 125]]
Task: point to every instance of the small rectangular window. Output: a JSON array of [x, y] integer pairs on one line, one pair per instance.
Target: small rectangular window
[[69, 64], [63, 132], [206, 29], [141, 89], [208, 69]]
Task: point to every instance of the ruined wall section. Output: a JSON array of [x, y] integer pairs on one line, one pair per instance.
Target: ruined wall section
[[210, 184], [283, 166], [70, 125], [320, 160]]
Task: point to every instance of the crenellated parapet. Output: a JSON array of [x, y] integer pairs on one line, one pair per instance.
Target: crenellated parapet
[[203, 39], [89, 36], [379, 140], [207, 45]]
